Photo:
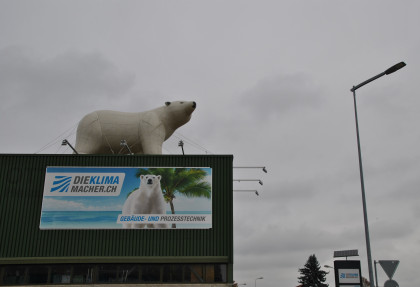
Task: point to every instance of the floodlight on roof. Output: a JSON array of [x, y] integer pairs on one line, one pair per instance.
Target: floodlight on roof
[[259, 180], [124, 144], [264, 169], [66, 142], [247, 190], [181, 144]]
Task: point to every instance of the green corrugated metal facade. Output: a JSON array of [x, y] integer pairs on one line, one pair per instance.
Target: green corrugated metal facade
[[21, 192]]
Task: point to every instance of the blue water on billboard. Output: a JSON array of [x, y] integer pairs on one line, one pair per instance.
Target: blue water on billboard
[[79, 219], [88, 219]]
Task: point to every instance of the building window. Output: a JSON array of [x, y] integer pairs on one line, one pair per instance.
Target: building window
[[13, 275], [173, 273], [82, 273], [44, 274], [220, 273], [37, 274], [114, 273], [61, 274], [150, 273], [131, 273]]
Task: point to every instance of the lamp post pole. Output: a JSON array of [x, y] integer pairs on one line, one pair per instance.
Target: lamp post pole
[[387, 72], [376, 272], [257, 279]]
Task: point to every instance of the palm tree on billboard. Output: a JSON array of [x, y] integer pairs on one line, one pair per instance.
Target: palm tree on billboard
[[186, 181]]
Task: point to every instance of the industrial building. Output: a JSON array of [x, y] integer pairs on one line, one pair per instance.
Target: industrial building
[[37, 247]]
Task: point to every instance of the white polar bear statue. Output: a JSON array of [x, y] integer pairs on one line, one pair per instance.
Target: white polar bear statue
[[148, 199], [101, 132]]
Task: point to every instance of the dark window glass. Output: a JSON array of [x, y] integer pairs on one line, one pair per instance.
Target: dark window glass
[[150, 273], [209, 273], [118, 273], [38, 274], [108, 273], [14, 275], [220, 273], [60, 274], [131, 273], [173, 273], [112, 273], [187, 273], [166, 276], [83, 273], [196, 273]]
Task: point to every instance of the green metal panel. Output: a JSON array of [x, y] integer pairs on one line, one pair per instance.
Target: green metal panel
[[21, 192]]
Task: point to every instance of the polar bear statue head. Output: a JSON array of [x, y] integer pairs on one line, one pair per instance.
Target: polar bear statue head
[[177, 113]]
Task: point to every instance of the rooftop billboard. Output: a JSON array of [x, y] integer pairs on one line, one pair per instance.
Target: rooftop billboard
[[127, 198]]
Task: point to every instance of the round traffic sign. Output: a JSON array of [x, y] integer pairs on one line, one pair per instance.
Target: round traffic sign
[[390, 283]]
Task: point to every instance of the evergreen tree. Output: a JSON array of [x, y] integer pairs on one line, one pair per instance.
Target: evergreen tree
[[311, 274]]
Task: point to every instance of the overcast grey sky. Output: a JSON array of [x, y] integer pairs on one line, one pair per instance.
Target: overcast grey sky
[[272, 83]]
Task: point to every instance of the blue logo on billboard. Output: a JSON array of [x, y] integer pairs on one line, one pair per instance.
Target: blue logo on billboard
[[61, 183]]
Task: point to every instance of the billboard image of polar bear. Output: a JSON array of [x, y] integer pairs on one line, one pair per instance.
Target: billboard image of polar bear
[[148, 199]]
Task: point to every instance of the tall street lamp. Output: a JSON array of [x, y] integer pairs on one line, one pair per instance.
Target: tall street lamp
[[257, 279], [387, 72]]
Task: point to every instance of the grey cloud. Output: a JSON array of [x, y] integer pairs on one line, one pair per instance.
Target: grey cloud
[[71, 78], [65, 87], [271, 109], [392, 229], [276, 96]]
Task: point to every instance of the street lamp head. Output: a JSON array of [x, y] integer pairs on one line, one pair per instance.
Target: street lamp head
[[387, 72], [395, 68]]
